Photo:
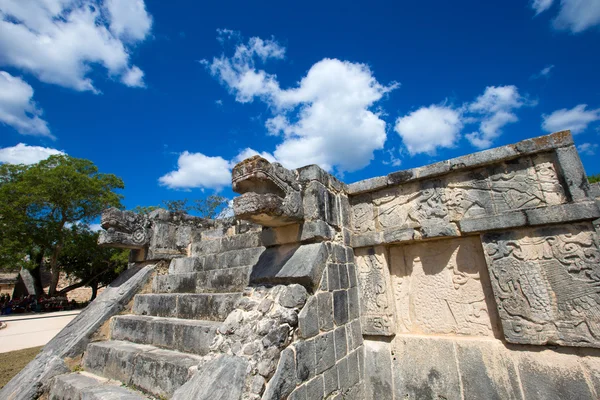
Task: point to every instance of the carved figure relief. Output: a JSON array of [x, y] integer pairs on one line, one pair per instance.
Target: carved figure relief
[[377, 309], [546, 283], [439, 290], [512, 185]]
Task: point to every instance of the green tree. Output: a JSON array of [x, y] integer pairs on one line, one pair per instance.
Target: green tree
[[594, 178], [39, 202], [206, 207], [210, 207], [90, 264]]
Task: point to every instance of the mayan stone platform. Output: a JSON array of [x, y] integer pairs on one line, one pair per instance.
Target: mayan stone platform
[[472, 278]]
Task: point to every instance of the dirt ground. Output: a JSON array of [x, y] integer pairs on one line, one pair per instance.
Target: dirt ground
[[14, 361]]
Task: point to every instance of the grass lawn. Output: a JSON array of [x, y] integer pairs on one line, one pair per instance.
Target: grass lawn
[[14, 361]]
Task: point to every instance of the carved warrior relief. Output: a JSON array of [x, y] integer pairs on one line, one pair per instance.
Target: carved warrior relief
[[546, 282], [528, 182], [439, 288], [377, 307]]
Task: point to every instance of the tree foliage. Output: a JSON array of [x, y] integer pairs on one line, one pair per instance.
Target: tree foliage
[[594, 178], [90, 264], [39, 202], [206, 207]]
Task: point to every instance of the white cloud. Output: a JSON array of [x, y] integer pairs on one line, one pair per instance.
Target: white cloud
[[495, 108], [321, 120], [196, 170], [541, 5], [59, 40], [588, 149], [129, 19], [24, 154], [544, 73], [18, 109], [428, 128], [574, 15], [577, 15], [248, 152], [576, 119], [95, 227], [134, 77]]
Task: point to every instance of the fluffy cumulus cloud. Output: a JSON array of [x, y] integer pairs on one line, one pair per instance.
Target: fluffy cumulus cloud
[[439, 126], [588, 149], [196, 170], [574, 15], [428, 128], [495, 108], [321, 120], [24, 154], [17, 107], [576, 119], [59, 40]]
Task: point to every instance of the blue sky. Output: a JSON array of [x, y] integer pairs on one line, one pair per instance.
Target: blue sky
[[169, 95]]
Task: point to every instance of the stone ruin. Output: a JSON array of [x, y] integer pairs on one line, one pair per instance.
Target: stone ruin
[[472, 278]]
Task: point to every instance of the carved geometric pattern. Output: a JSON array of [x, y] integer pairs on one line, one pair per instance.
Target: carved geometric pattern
[[546, 282]]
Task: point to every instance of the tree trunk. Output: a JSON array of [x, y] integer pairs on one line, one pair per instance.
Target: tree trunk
[[54, 262], [94, 286], [36, 273]]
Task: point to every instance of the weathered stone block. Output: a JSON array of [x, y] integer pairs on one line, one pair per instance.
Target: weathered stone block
[[284, 380], [306, 362], [378, 372], [340, 342], [436, 374], [330, 381], [325, 304], [315, 388], [344, 280], [545, 283], [333, 276], [325, 352], [353, 303], [293, 296], [343, 375], [340, 307], [308, 319], [219, 379], [292, 264]]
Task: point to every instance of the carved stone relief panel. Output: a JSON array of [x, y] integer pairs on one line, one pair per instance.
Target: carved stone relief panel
[[515, 186], [527, 182], [547, 176], [468, 195], [395, 204], [442, 287], [376, 299], [546, 282], [362, 214]]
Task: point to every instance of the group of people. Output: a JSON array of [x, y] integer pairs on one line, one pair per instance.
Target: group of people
[[32, 303]]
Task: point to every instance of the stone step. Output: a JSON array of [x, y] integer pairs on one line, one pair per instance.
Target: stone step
[[204, 306], [152, 370], [90, 387], [227, 259], [213, 281], [227, 243], [190, 336]]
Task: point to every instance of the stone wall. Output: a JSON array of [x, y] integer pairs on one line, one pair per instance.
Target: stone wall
[[475, 269], [476, 277]]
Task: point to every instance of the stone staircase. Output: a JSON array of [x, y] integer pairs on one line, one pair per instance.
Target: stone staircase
[[154, 350]]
